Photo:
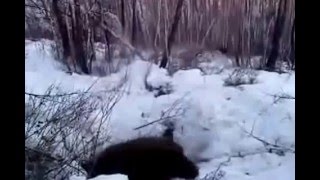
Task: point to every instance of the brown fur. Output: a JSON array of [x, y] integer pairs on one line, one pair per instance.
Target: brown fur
[[143, 158]]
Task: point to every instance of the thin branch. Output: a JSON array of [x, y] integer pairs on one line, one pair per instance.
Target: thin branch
[[268, 145], [155, 121], [166, 115], [281, 96]]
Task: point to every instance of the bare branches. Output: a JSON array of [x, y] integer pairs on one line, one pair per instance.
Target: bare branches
[[63, 128], [172, 34], [208, 31], [240, 77], [279, 97], [48, 95], [172, 112], [218, 173], [270, 147], [243, 29], [277, 34]]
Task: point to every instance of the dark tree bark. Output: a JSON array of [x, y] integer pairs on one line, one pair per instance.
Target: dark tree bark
[[171, 38], [62, 29], [106, 34], [292, 41], [78, 39], [73, 45], [134, 23], [239, 50], [122, 14], [277, 33]]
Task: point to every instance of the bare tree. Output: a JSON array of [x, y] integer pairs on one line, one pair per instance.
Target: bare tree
[[172, 34], [62, 31], [242, 28], [134, 22], [292, 53], [277, 33], [123, 17]]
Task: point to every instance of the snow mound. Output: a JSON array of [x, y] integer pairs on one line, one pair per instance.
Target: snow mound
[[259, 166], [102, 177], [213, 121], [159, 81]]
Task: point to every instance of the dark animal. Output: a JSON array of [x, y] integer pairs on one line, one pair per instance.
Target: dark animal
[[170, 127], [149, 158]]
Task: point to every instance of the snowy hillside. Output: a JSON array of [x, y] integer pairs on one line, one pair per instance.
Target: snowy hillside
[[247, 132]]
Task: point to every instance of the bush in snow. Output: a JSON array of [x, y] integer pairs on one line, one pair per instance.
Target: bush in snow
[[217, 175], [163, 90], [283, 66], [210, 68], [241, 76], [61, 129], [212, 62]]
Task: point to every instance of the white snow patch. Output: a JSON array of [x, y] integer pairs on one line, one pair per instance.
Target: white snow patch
[[215, 119], [158, 77], [102, 177]]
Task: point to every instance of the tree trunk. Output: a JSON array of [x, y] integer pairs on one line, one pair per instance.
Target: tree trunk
[[122, 14], [79, 40], [277, 33], [62, 29], [171, 38], [106, 34], [73, 43], [134, 23], [292, 41], [239, 49]]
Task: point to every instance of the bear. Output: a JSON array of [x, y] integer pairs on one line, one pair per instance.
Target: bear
[[169, 131], [194, 150], [144, 158]]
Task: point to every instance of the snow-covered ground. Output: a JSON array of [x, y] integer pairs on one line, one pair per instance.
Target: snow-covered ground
[[225, 124]]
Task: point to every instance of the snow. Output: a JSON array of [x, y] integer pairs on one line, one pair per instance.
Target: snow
[[213, 121], [158, 77], [259, 166], [103, 177]]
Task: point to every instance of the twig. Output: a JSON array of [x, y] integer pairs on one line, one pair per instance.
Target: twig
[[271, 145], [43, 153], [216, 174], [279, 96], [168, 111], [64, 94], [63, 127], [160, 119]]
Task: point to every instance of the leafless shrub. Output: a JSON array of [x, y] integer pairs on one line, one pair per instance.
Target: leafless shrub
[[210, 68], [241, 76], [281, 96], [283, 66], [61, 129], [163, 90], [243, 28], [171, 113], [270, 147], [121, 57], [216, 175]]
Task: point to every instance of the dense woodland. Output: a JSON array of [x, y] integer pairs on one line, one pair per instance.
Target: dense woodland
[[241, 29]]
